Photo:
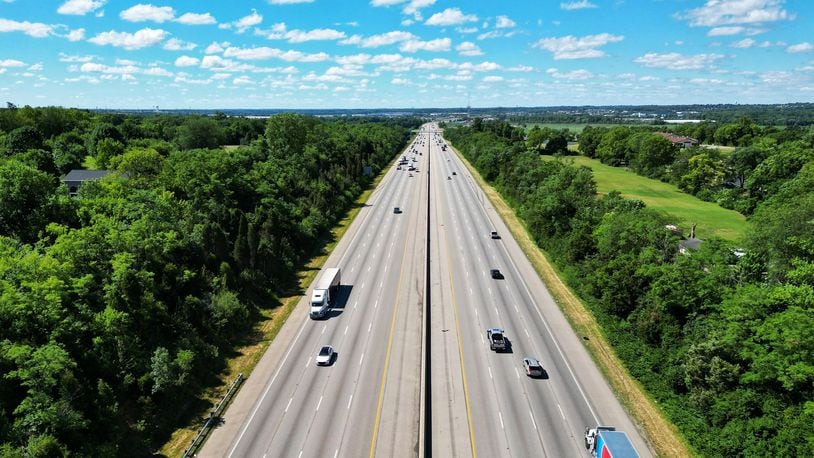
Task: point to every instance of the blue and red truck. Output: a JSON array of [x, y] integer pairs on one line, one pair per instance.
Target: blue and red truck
[[606, 442]]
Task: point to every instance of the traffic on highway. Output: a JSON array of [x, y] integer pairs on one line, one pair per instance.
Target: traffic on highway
[[426, 333]]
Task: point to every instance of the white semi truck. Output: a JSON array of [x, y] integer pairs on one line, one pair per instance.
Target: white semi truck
[[325, 292]]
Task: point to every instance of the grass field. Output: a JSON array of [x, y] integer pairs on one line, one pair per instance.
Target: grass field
[[685, 209]]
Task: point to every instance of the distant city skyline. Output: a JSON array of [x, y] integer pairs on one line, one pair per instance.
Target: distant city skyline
[[313, 54]]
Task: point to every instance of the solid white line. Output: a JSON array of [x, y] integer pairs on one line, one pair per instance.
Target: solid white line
[[499, 414], [268, 388], [561, 412], [350, 400], [318, 404], [289, 404], [532, 419]]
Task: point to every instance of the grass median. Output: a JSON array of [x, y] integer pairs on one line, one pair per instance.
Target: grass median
[[663, 436]]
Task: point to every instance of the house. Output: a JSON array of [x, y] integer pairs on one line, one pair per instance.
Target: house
[[74, 179], [679, 140]]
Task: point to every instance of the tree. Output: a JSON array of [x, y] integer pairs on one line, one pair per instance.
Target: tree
[[22, 139], [107, 149], [654, 152], [704, 173], [589, 140], [613, 149], [557, 144], [25, 193], [199, 132]]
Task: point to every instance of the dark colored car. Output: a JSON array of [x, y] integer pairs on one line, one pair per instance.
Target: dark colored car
[[495, 273]]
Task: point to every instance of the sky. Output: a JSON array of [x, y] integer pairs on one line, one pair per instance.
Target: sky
[[404, 53]]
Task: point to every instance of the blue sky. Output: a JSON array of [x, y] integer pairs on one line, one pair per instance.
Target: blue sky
[[404, 53]]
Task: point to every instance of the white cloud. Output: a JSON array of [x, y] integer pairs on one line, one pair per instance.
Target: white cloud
[[676, 61], [386, 2], [216, 47], [496, 34], [520, 68], [468, 48], [196, 19], [800, 47], [245, 23], [76, 35], [242, 81], [174, 44], [734, 30], [570, 47], [11, 63], [721, 12], [146, 12], [578, 5], [127, 69], [32, 29], [288, 2], [219, 64], [383, 39], [416, 5], [492, 79], [299, 36], [450, 16], [141, 39], [261, 53], [80, 7], [70, 58], [572, 75], [745, 43], [503, 22], [437, 45]]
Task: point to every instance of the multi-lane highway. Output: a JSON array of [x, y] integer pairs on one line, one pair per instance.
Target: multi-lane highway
[[371, 401]]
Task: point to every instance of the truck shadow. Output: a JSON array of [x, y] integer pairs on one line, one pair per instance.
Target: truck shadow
[[341, 301]]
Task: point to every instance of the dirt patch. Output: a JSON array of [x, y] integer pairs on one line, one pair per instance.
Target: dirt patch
[[662, 435]]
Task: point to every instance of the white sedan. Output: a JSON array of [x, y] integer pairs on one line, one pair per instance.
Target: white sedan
[[325, 356]]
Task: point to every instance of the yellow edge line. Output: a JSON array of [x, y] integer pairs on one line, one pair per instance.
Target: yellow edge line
[[387, 355], [460, 350]]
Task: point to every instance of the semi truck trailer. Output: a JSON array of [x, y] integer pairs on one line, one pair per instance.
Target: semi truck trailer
[[325, 292], [607, 442]]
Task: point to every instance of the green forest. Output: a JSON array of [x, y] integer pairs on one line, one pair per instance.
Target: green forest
[[720, 337], [118, 306]]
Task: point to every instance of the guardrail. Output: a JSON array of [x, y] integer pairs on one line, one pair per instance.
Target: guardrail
[[193, 447]]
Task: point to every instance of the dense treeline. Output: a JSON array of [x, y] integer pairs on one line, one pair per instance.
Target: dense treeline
[[794, 114], [118, 306], [722, 342]]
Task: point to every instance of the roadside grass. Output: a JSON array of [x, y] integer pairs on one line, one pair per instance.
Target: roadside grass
[[662, 435], [267, 328], [686, 210]]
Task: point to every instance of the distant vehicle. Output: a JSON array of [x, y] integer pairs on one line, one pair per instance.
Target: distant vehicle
[[497, 339], [398, 168], [495, 235], [325, 356], [396, 210], [411, 168], [605, 441], [454, 173], [495, 273], [449, 177], [323, 297], [532, 367], [444, 148], [409, 174]]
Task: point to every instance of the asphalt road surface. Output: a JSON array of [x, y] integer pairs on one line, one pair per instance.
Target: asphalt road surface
[[370, 401]]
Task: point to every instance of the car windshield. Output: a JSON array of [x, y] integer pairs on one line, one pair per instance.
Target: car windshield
[[325, 351]]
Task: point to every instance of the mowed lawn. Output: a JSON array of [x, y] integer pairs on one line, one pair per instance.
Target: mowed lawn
[[712, 220]]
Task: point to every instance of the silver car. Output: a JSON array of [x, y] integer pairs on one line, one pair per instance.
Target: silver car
[[532, 367], [325, 356]]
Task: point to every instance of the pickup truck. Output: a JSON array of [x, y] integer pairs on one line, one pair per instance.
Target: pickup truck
[[497, 339]]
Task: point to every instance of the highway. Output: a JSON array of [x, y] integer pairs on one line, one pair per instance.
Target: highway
[[370, 401]]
